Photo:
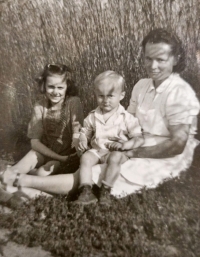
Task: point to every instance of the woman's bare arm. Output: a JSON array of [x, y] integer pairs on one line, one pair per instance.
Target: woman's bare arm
[[169, 148]]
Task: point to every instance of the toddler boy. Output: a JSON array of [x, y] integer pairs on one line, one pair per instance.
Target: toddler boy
[[108, 120]]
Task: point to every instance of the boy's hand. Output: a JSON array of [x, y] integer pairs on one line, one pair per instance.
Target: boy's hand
[[82, 147], [114, 146]]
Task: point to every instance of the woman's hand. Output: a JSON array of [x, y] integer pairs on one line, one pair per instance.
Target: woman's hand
[[169, 148]]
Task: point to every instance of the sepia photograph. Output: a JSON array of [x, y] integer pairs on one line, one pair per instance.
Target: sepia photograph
[[99, 128]]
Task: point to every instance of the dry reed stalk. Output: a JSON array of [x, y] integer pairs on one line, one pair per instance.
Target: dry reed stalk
[[91, 36]]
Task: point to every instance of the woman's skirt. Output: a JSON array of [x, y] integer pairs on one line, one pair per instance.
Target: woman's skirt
[[137, 173]]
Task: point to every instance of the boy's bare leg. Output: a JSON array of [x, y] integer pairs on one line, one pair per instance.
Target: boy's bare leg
[[87, 161], [86, 196], [114, 162]]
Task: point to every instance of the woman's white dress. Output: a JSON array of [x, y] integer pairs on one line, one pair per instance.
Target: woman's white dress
[[174, 102]]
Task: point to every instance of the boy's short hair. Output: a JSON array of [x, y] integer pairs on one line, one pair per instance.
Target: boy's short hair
[[111, 75]]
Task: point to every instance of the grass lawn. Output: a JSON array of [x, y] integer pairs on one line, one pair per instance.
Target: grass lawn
[[94, 36], [156, 223]]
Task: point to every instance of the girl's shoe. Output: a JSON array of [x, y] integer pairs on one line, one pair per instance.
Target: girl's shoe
[[12, 178], [86, 196], [10, 200]]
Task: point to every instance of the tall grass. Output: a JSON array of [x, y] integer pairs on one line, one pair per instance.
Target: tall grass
[[91, 36]]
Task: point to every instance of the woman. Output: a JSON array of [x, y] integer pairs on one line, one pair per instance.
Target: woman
[[167, 109]]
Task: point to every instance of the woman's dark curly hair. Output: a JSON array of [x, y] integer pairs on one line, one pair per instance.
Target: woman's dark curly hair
[[57, 69], [163, 36]]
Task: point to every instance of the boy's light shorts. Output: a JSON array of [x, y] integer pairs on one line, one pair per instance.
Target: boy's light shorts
[[102, 154]]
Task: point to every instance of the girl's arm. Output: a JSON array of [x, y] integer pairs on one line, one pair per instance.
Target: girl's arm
[[43, 149], [76, 111], [35, 132], [169, 148]]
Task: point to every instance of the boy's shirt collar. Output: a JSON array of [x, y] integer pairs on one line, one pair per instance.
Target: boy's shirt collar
[[98, 113]]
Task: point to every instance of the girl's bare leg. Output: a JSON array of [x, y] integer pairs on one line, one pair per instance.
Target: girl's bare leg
[[45, 170], [57, 184], [28, 162], [27, 192]]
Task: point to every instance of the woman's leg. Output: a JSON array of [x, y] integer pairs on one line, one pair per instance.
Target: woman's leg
[[45, 170]]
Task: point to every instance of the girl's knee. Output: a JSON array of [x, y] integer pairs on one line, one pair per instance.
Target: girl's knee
[[48, 169]]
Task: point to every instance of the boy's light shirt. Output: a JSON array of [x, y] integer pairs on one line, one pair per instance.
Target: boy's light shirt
[[121, 124]]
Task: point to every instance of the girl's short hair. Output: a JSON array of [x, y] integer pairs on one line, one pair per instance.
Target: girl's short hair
[[163, 36], [112, 75], [57, 69]]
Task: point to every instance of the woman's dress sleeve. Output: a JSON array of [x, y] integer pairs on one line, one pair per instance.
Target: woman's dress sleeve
[[182, 106]]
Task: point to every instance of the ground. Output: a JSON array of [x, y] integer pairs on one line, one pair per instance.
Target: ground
[[11, 249], [157, 222]]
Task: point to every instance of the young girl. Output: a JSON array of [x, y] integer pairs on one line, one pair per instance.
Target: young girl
[[51, 125]]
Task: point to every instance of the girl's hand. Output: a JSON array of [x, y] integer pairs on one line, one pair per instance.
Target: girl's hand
[[76, 126], [64, 158]]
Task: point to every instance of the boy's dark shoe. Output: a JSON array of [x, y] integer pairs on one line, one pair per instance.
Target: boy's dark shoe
[[105, 196], [86, 196]]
